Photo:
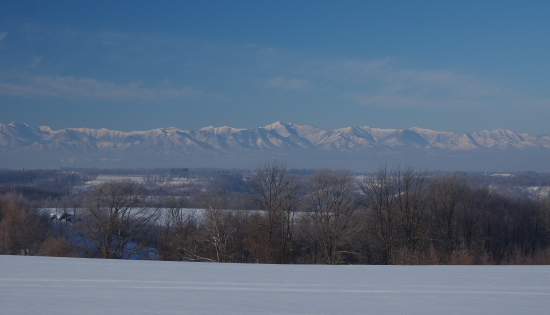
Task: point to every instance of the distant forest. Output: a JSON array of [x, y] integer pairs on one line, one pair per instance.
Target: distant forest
[[394, 215]]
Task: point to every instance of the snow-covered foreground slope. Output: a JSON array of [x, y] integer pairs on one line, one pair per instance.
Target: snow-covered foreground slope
[[42, 285]]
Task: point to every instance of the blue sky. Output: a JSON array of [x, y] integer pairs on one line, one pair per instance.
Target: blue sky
[[457, 66]]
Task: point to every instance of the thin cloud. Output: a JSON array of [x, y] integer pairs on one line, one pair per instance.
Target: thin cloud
[[268, 52], [407, 101], [89, 88], [111, 38], [26, 91], [538, 104], [358, 68], [441, 80], [282, 82], [3, 35], [35, 62], [382, 83], [378, 82]]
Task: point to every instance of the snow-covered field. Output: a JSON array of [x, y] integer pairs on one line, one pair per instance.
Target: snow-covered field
[[141, 179], [44, 285]]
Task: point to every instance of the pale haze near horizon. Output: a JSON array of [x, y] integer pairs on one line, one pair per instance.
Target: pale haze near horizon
[[458, 67]]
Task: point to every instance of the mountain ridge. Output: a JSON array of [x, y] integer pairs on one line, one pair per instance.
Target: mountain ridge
[[278, 140]]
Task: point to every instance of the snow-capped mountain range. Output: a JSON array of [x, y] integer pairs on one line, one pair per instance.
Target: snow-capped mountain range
[[305, 146]]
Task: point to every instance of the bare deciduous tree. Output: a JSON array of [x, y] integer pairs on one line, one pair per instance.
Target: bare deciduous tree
[[218, 224], [178, 235], [21, 229], [411, 209], [396, 201], [114, 219], [447, 196], [380, 200], [276, 193], [332, 204], [220, 231]]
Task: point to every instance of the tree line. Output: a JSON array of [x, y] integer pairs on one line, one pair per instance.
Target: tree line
[[396, 215]]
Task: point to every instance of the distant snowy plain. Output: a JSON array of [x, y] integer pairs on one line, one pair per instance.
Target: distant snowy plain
[[45, 285]]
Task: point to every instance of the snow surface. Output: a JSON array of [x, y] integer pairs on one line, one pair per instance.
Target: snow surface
[[45, 285]]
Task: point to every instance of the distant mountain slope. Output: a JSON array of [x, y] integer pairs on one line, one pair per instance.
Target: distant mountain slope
[[303, 146]]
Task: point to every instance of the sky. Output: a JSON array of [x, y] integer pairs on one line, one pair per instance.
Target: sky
[[458, 66]]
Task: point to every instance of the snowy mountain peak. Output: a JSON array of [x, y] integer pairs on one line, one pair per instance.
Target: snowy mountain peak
[[45, 129], [18, 125], [220, 130], [278, 125], [428, 131]]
